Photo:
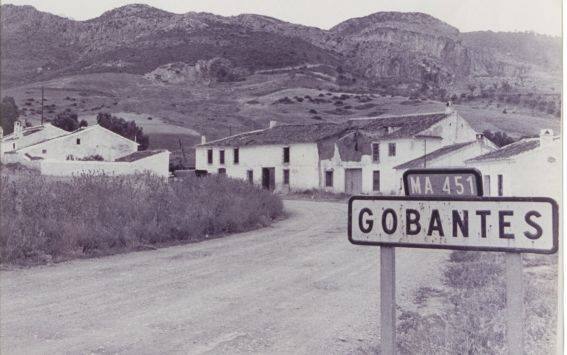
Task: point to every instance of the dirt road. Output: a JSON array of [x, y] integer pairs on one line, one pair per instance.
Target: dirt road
[[295, 287]]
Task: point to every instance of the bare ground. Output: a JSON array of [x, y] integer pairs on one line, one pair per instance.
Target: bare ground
[[298, 286]]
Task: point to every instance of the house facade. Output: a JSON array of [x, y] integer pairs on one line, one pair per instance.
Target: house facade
[[529, 167], [92, 149], [359, 156]]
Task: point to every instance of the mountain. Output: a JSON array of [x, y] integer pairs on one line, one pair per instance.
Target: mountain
[[385, 47]]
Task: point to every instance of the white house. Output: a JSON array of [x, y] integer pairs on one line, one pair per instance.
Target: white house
[[92, 149], [359, 156], [529, 167]]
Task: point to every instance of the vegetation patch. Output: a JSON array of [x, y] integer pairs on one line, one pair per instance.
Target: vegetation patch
[[46, 219], [471, 319]]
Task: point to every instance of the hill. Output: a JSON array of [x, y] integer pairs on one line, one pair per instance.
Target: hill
[[387, 48]]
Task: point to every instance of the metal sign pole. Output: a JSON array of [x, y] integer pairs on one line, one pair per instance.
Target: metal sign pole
[[514, 304], [388, 299]]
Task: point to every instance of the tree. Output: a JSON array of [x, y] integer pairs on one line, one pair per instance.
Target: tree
[[499, 138], [67, 120], [8, 114], [127, 129]]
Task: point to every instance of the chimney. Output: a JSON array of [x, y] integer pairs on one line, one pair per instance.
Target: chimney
[[545, 137], [273, 123], [479, 137], [18, 132], [203, 139], [1, 133], [449, 108]]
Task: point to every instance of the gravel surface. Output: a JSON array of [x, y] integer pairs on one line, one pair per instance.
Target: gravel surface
[[296, 287]]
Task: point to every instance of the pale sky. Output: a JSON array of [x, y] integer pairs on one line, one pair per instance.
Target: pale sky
[[542, 16]]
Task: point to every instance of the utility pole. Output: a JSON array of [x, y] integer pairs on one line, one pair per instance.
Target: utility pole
[[42, 105]]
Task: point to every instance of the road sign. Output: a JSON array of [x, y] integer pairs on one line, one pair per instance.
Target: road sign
[[442, 182], [514, 224]]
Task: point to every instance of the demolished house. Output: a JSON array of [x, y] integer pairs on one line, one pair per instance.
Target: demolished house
[[359, 156]]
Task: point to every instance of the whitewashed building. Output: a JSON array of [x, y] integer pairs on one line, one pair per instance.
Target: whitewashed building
[[360, 156], [92, 149], [529, 167]]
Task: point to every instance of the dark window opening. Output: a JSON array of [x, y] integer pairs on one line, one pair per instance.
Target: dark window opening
[[236, 156], [376, 180], [13, 145], [250, 176], [328, 178], [44, 151], [375, 152], [286, 176], [78, 141], [221, 157], [222, 171], [210, 156], [392, 149], [286, 155]]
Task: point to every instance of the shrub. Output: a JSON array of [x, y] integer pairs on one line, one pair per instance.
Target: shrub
[[90, 215], [67, 120]]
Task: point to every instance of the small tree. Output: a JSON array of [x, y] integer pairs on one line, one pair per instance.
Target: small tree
[[499, 138], [67, 120], [127, 129], [8, 114]]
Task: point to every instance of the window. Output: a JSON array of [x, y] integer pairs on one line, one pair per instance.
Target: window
[[286, 177], [392, 149], [13, 145], [486, 185], [222, 171], [221, 157], [78, 141], [329, 178], [286, 155], [210, 156], [44, 151], [500, 185], [376, 152], [236, 156], [250, 176], [376, 180]]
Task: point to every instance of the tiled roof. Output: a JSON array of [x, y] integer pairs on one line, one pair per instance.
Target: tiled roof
[[403, 127], [509, 150], [139, 155], [418, 162], [283, 134]]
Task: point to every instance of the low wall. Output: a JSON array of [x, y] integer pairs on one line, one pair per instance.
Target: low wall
[[157, 164]]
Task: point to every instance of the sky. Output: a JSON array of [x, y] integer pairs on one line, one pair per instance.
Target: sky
[[542, 16]]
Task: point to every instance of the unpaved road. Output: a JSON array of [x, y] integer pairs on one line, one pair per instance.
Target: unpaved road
[[295, 287]]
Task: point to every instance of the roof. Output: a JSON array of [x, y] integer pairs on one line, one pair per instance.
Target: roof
[[283, 134], [80, 130], [139, 155], [509, 150], [405, 126], [390, 127], [419, 162]]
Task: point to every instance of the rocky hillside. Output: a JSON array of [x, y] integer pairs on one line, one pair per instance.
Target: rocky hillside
[[386, 47]]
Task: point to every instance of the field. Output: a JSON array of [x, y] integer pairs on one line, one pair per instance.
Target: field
[[46, 219], [169, 111]]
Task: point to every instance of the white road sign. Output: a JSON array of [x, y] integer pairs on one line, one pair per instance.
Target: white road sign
[[527, 225]]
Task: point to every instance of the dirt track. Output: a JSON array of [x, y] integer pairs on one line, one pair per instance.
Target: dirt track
[[296, 287]]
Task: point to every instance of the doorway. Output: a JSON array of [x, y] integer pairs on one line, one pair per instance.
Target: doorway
[[353, 181], [269, 178]]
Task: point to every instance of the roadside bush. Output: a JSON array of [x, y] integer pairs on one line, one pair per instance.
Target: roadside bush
[[45, 219]]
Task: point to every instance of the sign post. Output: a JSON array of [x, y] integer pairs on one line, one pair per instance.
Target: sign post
[[388, 299], [514, 304], [444, 210]]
